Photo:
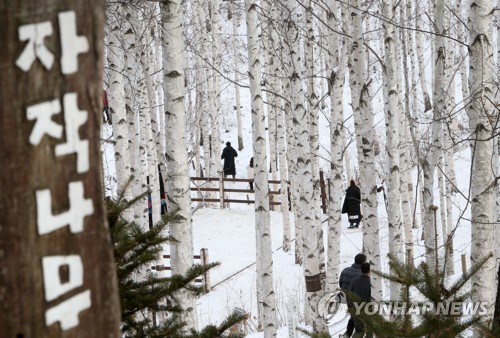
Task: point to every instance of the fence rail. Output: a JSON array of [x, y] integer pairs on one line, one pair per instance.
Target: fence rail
[[222, 190], [203, 261]]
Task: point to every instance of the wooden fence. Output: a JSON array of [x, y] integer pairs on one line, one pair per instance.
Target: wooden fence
[[200, 185], [203, 260]]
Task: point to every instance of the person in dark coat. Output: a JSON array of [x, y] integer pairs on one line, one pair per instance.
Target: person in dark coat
[[228, 155], [361, 286], [346, 277], [352, 205]]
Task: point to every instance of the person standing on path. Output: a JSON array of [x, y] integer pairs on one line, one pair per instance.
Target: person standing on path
[[228, 155], [352, 205]]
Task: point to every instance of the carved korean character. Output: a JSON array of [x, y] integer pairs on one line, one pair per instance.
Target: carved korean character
[[66, 313], [35, 33], [79, 208]]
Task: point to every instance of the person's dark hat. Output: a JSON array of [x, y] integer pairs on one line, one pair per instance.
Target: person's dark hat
[[228, 144]]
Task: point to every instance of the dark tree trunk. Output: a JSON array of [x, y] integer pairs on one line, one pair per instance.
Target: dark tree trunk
[[57, 276]]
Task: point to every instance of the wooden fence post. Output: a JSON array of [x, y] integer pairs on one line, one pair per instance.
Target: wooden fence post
[[206, 274], [221, 190], [57, 276]]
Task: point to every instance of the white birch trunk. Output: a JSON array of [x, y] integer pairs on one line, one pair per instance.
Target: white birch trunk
[[419, 24], [210, 158], [236, 60], [313, 110], [393, 107], [363, 122], [272, 83], [482, 116], [266, 297], [429, 163], [406, 132], [214, 93], [449, 181], [157, 117], [304, 183], [337, 61], [151, 146], [176, 152], [289, 70], [285, 213]]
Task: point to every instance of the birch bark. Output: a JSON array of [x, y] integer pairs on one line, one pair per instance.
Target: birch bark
[[421, 10], [176, 151], [363, 122], [214, 97], [482, 114], [337, 61], [393, 107], [293, 69], [313, 110], [236, 60], [435, 144], [266, 297]]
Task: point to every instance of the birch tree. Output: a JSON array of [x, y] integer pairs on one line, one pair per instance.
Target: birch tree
[[312, 122], [363, 123], [337, 61], [393, 107], [214, 85], [482, 116], [265, 290], [421, 11], [176, 151], [292, 69], [435, 145], [236, 59]]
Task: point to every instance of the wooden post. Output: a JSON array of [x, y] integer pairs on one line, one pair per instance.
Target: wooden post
[[57, 276], [221, 190], [206, 275], [464, 265]]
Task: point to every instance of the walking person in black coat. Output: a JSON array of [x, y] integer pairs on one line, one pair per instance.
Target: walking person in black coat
[[352, 205], [346, 277], [361, 286], [228, 155]]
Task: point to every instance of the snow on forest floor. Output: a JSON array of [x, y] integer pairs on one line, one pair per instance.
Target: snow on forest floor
[[229, 235]]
